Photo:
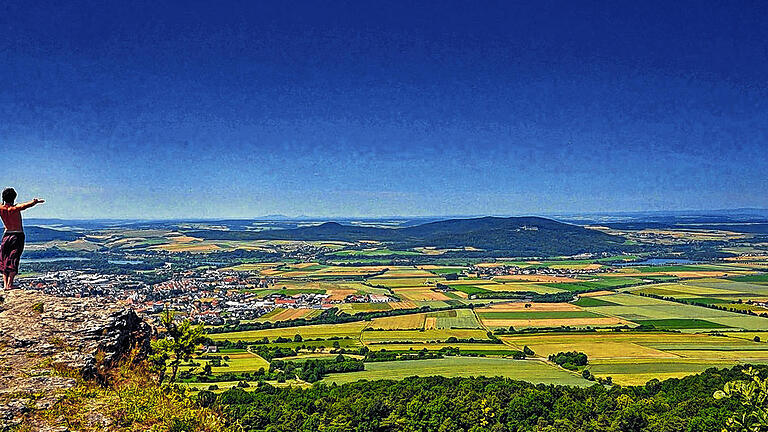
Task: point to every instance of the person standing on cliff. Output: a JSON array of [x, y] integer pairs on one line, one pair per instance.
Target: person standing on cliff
[[13, 239]]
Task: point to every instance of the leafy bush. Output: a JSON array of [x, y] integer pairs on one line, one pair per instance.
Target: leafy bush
[[569, 360]]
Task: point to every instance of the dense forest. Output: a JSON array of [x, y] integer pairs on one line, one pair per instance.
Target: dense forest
[[484, 404]]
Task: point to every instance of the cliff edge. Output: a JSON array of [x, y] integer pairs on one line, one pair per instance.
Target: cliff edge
[[47, 343]]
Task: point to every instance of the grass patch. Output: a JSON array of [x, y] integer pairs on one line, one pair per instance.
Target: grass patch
[[761, 278], [469, 289], [532, 371], [592, 302]]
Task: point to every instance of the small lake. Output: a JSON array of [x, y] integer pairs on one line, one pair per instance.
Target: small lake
[[47, 260], [59, 259], [658, 261]]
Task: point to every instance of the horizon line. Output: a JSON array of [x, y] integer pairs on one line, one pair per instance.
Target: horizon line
[[274, 217]]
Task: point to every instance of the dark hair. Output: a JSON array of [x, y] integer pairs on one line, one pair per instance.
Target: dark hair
[[9, 195]]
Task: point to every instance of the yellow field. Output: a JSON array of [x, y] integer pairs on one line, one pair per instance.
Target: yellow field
[[602, 347], [419, 294], [596, 293], [239, 362], [340, 294], [430, 323], [535, 278], [635, 345], [304, 265], [290, 314], [555, 322], [598, 345], [403, 322], [402, 305], [534, 307]]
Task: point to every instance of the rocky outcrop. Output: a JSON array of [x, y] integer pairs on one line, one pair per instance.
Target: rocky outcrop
[[47, 343]]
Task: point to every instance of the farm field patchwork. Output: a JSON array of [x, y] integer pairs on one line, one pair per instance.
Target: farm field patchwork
[[637, 309], [542, 315], [633, 357], [431, 335], [688, 338], [310, 331]]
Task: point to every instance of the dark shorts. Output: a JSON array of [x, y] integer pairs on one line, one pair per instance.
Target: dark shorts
[[10, 253]]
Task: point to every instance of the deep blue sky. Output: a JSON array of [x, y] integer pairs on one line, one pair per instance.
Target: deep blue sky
[[239, 109]]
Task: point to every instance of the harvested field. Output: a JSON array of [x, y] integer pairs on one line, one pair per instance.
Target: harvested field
[[419, 294], [555, 322], [430, 323], [291, 314], [534, 278], [402, 322], [533, 307]]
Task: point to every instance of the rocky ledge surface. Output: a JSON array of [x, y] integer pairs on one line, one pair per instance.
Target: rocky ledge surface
[[46, 340]]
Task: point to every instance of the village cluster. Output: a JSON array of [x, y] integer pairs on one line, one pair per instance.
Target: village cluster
[[209, 296]]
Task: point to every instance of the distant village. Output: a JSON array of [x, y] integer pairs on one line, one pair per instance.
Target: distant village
[[209, 296]]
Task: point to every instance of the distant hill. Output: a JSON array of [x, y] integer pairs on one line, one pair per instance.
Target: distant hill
[[36, 234], [517, 236]]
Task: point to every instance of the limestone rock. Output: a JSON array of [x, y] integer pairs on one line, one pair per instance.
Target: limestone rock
[[46, 340]]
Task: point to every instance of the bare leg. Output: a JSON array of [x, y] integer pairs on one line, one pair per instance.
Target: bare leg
[[10, 280], [5, 281]]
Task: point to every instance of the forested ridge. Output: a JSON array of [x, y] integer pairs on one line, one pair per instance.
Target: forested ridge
[[484, 404], [520, 236]]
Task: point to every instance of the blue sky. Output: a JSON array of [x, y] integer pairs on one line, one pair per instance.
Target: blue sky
[[196, 109]]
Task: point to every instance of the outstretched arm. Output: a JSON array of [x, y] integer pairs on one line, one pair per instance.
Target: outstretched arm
[[32, 203]]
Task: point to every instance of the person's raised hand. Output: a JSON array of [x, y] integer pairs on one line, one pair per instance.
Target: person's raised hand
[[39, 201]]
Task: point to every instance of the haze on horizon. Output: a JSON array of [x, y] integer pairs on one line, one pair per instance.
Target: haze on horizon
[[350, 108]]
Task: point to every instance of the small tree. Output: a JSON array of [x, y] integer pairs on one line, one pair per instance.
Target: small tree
[[177, 344], [753, 395]]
